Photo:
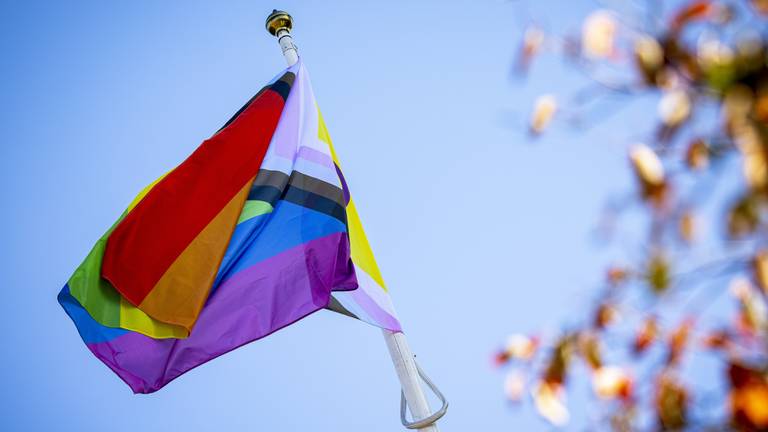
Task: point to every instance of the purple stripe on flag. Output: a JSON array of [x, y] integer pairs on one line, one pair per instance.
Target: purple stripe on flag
[[253, 303], [344, 186], [374, 310]]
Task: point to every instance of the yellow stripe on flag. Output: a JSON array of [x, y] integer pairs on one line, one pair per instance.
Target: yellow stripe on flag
[[134, 319], [362, 255]]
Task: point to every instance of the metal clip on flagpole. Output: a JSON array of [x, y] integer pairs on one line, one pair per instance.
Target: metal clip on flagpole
[[279, 24], [410, 375]]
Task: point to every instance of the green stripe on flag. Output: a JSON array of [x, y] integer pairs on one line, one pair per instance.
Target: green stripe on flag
[[253, 208], [96, 294]]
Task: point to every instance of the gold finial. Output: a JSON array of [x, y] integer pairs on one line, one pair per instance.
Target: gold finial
[[278, 20]]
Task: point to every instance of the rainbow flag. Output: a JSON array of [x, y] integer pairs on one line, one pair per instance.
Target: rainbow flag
[[252, 232]]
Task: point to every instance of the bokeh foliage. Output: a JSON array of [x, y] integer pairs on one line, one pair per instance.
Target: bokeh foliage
[[707, 62]]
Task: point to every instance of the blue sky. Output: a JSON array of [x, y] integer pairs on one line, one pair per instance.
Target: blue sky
[[479, 231]]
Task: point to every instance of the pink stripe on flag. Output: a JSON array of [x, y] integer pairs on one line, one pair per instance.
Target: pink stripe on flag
[[318, 157]]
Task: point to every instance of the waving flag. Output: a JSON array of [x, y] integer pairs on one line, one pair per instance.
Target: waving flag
[[254, 231]]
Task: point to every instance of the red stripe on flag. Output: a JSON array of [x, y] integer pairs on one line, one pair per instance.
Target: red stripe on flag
[[172, 214]]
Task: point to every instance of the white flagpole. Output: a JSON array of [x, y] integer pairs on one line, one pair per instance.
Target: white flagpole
[[279, 24], [408, 373]]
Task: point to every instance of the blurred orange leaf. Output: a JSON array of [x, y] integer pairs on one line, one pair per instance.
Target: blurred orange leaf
[[647, 165], [500, 357], [521, 346], [761, 100], [760, 268], [649, 171], [674, 107], [557, 366], [658, 273], [598, 34], [678, 340], [616, 275], [612, 382], [533, 39], [671, 402], [605, 315], [544, 110], [589, 348], [761, 6], [692, 11], [697, 155], [748, 397], [646, 335], [549, 399], [649, 56], [743, 217], [753, 313], [514, 385], [718, 339], [687, 226]]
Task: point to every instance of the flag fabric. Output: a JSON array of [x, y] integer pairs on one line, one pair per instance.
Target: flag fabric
[[251, 233]]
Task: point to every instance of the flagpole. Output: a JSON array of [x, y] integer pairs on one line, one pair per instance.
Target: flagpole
[[410, 381], [279, 24]]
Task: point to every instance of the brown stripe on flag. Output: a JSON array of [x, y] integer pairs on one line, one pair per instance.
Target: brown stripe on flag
[[272, 185]]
